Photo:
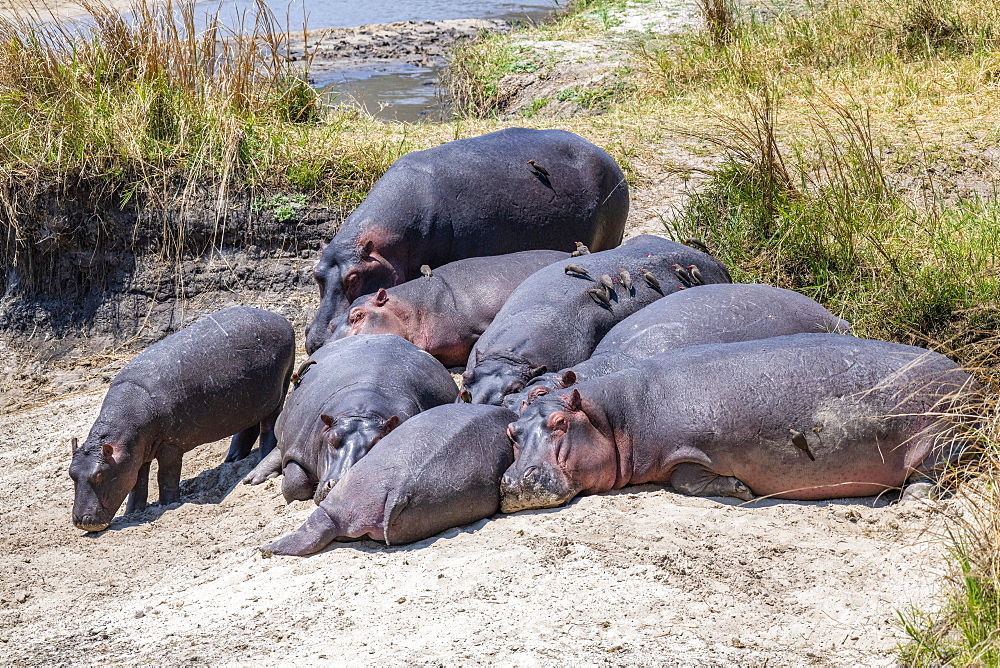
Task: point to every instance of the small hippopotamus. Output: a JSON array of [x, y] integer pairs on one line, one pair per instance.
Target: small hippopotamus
[[225, 374], [441, 469], [446, 312], [721, 313], [553, 321], [806, 416], [359, 390], [469, 198]]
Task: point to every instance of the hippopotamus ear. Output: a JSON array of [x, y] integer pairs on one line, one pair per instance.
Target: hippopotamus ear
[[327, 420], [573, 401], [381, 297], [568, 378], [391, 423], [75, 444]]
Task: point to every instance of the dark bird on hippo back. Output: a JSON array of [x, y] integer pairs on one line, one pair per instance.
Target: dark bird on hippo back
[[600, 295], [626, 279], [425, 271], [651, 280], [581, 249], [577, 270]]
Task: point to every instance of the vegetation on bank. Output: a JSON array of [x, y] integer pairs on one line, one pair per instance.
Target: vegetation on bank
[[850, 139]]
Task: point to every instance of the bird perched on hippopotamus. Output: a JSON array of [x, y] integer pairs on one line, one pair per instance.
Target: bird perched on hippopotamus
[[468, 198], [806, 416], [225, 374]]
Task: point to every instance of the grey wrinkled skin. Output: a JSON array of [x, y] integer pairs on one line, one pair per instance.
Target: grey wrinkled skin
[[551, 323], [225, 374], [365, 386], [715, 420], [722, 313], [440, 469], [470, 198], [446, 313]]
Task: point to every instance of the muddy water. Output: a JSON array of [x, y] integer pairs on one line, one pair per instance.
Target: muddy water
[[399, 91]]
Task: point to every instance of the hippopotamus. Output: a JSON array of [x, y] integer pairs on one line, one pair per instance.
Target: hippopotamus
[[445, 312], [720, 313], [554, 319], [358, 390], [225, 374], [806, 416], [439, 470], [511, 190]]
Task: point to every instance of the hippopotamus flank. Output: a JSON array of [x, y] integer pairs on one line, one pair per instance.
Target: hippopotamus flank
[[722, 313], [438, 470], [446, 313], [470, 198], [225, 374], [359, 390], [808, 416], [552, 320]]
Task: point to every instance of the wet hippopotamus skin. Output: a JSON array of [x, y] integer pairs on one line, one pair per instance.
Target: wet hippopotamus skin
[[359, 390], [446, 313], [439, 470], [807, 416], [469, 198], [721, 313], [225, 374], [552, 322]]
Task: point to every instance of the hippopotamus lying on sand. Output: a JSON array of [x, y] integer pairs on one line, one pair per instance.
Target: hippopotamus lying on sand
[[438, 470], [722, 313], [808, 416], [226, 374], [559, 314], [446, 312], [507, 191], [358, 390]]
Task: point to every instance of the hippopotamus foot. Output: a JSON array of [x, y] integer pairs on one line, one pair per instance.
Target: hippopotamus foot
[[268, 467], [318, 531], [242, 444], [168, 475], [137, 497], [696, 480], [296, 484]]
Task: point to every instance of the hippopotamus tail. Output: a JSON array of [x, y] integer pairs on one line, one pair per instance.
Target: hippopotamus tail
[[316, 533]]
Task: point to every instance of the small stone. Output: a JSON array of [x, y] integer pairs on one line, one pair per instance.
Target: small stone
[[402, 599]]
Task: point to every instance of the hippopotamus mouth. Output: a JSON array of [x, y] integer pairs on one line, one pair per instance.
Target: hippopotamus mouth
[[538, 487], [90, 524]]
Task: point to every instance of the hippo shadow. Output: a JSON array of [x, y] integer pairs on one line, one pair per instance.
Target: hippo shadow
[[886, 498], [210, 486]]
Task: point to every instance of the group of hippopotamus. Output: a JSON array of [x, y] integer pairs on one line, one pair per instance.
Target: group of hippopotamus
[[589, 364]]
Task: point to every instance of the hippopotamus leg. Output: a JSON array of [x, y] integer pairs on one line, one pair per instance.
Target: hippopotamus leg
[[268, 440], [269, 467], [137, 497], [297, 485], [168, 475], [696, 480], [242, 443], [316, 533]]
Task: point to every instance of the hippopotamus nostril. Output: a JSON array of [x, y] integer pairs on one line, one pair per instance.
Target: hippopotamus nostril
[[531, 474]]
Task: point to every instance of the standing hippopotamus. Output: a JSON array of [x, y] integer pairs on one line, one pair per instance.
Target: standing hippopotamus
[[468, 198], [723, 313], [557, 316], [358, 390], [446, 312], [807, 416], [439, 470], [225, 374]]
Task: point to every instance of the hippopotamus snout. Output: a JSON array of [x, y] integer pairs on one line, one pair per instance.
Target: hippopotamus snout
[[95, 521], [538, 485]]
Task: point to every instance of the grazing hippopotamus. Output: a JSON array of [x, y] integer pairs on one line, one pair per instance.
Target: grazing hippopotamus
[[468, 198], [722, 313], [358, 390], [225, 374], [446, 312], [555, 320], [807, 416], [441, 469]]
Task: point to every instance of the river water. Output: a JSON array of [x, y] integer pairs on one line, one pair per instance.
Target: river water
[[397, 91]]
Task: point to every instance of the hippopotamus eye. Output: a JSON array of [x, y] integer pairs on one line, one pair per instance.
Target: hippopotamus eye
[[356, 316], [516, 386]]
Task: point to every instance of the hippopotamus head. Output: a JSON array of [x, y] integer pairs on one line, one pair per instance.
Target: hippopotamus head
[[102, 476], [346, 440], [560, 452], [539, 387], [493, 378], [345, 271], [370, 314]]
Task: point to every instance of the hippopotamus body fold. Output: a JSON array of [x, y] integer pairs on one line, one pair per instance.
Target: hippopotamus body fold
[[807, 416], [720, 313], [358, 390], [440, 469], [225, 374], [469, 198], [446, 312], [552, 320]]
